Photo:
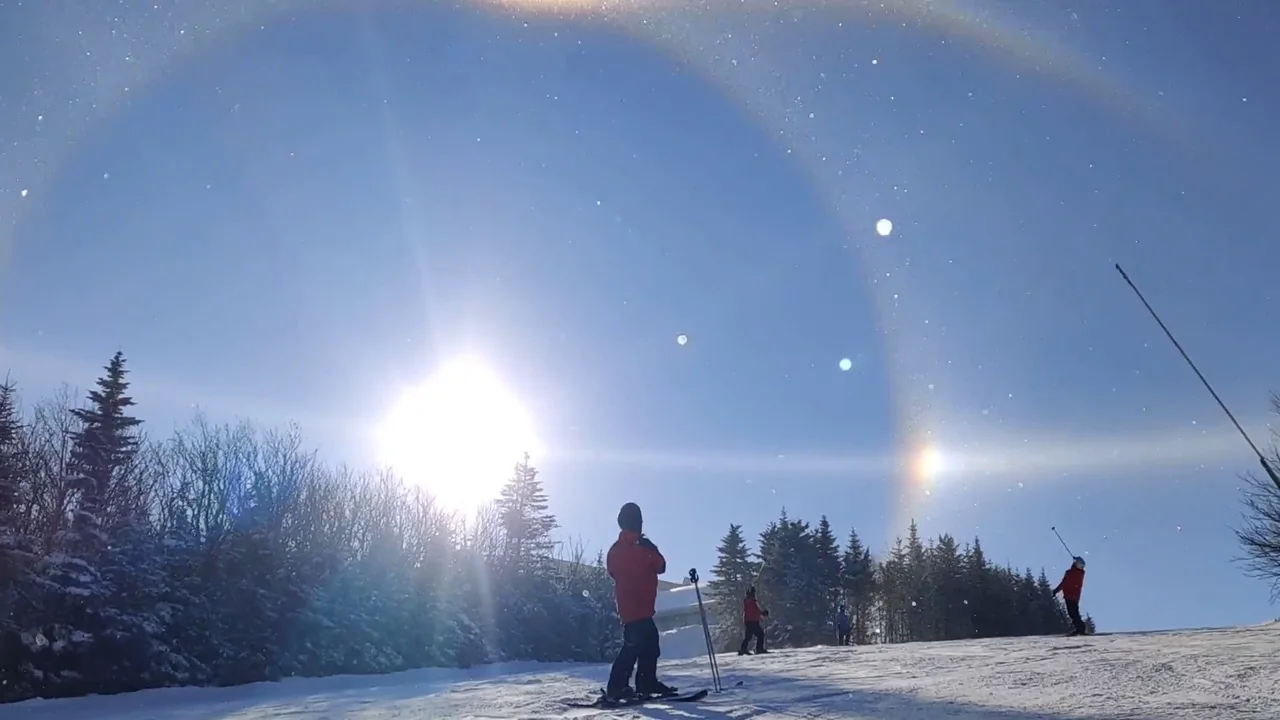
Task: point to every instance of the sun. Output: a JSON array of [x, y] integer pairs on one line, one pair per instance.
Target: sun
[[458, 434]]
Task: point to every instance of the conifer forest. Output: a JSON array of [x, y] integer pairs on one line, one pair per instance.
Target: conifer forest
[[226, 554]]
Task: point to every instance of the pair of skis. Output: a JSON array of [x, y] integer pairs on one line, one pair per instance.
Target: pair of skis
[[604, 703]]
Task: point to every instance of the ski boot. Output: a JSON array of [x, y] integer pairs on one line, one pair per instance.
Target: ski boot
[[656, 689], [615, 696]]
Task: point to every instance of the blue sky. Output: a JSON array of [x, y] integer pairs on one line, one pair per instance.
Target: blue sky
[[298, 212]]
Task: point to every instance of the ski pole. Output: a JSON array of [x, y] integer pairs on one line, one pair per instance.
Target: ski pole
[[1261, 458], [706, 633], [1064, 542]]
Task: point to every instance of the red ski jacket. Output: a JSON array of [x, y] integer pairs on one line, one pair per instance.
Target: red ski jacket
[[1072, 583], [750, 610], [635, 570]]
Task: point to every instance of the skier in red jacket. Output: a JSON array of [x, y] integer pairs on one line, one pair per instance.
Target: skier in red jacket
[[1071, 586], [751, 614], [634, 563]]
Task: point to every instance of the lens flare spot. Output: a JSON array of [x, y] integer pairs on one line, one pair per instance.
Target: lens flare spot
[[846, 364], [682, 339], [884, 227]]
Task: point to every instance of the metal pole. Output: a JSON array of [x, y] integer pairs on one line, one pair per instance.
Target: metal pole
[[1275, 478], [1064, 542], [706, 633]]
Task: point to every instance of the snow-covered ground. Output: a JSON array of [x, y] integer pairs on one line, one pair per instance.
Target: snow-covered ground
[[1198, 674], [684, 643]]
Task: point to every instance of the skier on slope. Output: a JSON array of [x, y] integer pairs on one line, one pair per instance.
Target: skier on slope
[[842, 626], [634, 563], [751, 614], [1071, 586]]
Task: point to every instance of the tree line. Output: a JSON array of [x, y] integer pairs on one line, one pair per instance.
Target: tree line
[[937, 590], [226, 555]]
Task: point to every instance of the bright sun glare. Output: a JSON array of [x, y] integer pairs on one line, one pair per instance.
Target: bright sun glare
[[458, 434]]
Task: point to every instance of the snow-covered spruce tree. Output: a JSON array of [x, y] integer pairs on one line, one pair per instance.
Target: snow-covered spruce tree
[[13, 473], [946, 571], [732, 574], [985, 612], [525, 573], [17, 548], [810, 611], [527, 522], [791, 585], [827, 565], [15, 543], [919, 601], [1050, 613], [892, 599], [771, 580], [101, 632], [857, 585]]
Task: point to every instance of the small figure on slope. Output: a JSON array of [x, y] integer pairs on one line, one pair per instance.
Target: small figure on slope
[[843, 630], [751, 614], [634, 563], [1071, 586]]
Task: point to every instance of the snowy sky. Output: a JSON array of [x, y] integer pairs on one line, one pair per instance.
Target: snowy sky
[[299, 208]]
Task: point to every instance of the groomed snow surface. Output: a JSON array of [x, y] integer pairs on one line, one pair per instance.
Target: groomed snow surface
[[1198, 674]]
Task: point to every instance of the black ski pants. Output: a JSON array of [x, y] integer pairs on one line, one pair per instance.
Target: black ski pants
[[753, 630], [845, 633], [639, 652], [1073, 612]]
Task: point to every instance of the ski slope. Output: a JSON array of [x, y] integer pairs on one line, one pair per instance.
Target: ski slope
[[1230, 673]]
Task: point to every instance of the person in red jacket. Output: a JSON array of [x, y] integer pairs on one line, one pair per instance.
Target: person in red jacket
[[751, 614], [1071, 586], [634, 563]]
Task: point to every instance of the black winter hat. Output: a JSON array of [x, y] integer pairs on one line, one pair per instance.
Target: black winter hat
[[629, 517]]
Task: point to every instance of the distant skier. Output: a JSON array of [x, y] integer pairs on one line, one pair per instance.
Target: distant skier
[[751, 615], [842, 626], [1071, 586], [634, 563]]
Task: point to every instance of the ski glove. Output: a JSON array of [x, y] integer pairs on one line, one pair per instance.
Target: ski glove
[[764, 613], [645, 542]]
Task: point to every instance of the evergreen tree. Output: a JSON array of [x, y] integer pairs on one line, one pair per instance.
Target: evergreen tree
[[12, 462], [15, 546], [733, 574], [858, 585], [101, 452], [951, 619], [827, 560], [919, 601], [526, 521], [1049, 614], [772, 589], [526, 626], [984, 607]]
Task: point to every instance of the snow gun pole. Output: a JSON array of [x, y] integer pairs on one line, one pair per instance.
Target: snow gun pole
[[1261, 458], [1064, 542], [706, 633]]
